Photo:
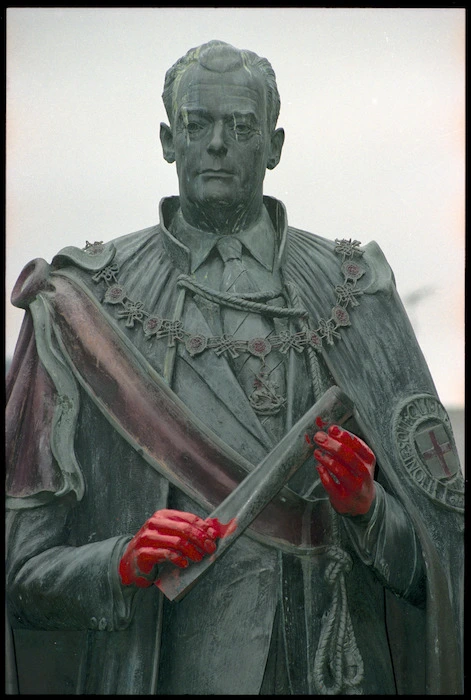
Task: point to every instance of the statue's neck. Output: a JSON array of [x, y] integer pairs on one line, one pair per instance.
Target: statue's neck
[[219, 218]]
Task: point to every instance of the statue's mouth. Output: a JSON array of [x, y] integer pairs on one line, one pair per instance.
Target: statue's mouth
[[211, 172]]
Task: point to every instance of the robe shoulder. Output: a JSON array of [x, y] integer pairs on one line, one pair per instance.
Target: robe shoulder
[[311, 251], [35, 276]]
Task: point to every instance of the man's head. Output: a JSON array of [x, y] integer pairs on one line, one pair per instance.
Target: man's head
[[217, 55], [222, 105]]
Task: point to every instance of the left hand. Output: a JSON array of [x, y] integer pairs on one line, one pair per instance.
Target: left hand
[[346, 469]]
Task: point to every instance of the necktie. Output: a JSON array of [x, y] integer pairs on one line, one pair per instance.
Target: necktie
[[261, 375]]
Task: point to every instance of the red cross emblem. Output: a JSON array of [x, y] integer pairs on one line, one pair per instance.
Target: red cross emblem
[[436, 449]]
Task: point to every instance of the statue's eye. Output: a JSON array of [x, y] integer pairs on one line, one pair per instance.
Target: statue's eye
[[193, 127], [242, 129]]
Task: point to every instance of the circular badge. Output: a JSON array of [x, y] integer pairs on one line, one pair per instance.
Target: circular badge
[[428, 451]]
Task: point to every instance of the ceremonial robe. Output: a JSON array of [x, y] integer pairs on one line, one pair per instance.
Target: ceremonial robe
[[368, 605]]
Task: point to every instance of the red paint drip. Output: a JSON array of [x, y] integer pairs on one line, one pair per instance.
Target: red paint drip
[[221, 529]]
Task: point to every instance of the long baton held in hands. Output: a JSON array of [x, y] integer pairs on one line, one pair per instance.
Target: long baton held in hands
[[258, 488]]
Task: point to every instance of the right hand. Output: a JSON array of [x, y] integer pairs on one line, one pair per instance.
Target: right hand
[[168, 535]]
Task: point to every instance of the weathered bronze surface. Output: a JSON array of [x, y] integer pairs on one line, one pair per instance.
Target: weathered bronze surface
[[155, 372]]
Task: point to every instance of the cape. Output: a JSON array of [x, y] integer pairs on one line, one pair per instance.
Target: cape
[[358, 325]]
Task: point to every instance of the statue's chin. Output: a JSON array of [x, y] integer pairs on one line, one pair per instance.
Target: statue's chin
[[220, 203], [221, 197]]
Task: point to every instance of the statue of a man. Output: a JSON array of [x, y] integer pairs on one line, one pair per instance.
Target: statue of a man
[[154, 371]]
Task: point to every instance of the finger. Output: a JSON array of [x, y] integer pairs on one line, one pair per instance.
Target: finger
[[147, 559], [154, 540], [177, 539], [353, 442], [197, 535], [183, 516], [349, 480], [341, 453], [335, 490]]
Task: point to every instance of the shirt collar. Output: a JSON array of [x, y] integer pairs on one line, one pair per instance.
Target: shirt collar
[[188, 247]]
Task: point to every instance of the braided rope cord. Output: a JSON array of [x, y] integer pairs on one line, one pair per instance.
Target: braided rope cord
[[338, 665], [243, 302]]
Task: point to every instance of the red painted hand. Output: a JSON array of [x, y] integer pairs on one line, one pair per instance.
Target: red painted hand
[[169, 535], [346, 468]]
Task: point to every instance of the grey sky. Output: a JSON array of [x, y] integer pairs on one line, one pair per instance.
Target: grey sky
[[373, 109]]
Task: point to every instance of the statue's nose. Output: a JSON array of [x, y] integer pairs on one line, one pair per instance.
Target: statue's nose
[[217, 145]]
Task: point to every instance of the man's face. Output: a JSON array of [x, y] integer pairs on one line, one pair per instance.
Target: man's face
[[221, 137]]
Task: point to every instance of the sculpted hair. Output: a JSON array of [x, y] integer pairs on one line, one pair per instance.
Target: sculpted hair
[[207, 55]]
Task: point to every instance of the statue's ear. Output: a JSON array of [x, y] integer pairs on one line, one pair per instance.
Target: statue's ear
[[166, 139], [276, 146]]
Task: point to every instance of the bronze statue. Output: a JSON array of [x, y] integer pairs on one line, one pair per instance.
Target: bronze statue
[[229, 471]]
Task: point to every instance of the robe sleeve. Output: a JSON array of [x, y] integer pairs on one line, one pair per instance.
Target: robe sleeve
[[385, 540], [73, 588]]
